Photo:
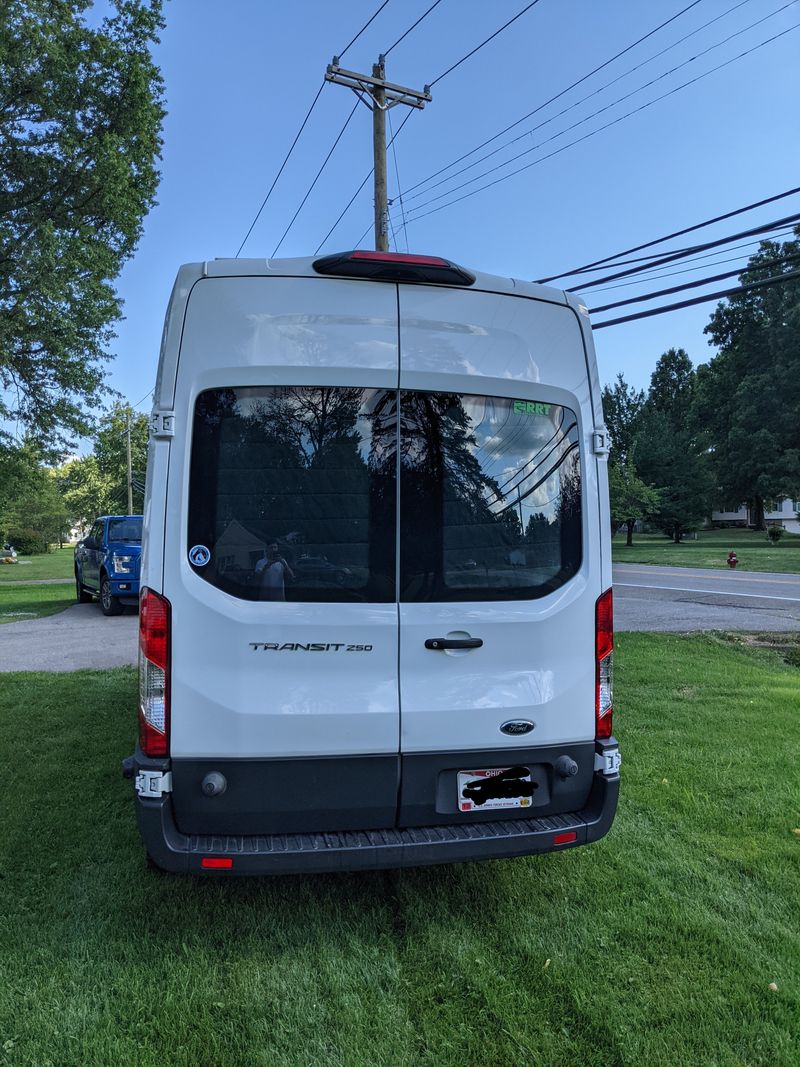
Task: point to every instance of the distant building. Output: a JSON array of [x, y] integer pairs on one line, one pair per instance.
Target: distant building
[[783, 513]]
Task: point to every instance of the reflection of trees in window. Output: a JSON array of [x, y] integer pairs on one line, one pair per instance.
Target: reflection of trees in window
[[462, 527], [443, 485], [299, 466]]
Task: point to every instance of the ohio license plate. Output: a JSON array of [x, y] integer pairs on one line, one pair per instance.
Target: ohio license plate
[[495, 787]]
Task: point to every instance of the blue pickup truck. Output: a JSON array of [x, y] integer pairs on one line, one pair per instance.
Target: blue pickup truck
[[107, 563]]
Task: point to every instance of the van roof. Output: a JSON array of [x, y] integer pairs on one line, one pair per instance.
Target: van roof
[[302, 267]]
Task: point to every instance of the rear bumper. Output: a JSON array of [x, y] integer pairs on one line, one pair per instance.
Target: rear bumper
[[374, 849]]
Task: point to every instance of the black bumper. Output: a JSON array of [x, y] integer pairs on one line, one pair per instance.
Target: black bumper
[[372, 849]]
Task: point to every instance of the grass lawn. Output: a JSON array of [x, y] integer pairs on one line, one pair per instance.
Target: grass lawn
[[755, 551], [20, 602], [55, 564], [655, 946]]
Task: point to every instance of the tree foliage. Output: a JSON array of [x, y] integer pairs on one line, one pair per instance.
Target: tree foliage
[[631, 498], [97, 484], [80, 120], [748, 396], [33, 514], [668, 453]]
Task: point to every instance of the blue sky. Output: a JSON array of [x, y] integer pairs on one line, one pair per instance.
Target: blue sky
[[240, 76]]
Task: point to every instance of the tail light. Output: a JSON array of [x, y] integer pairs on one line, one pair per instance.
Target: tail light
[[154, 636], [604, 665]]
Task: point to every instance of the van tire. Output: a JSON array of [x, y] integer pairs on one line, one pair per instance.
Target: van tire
[[151, 864], [109, 605], [81, 595]]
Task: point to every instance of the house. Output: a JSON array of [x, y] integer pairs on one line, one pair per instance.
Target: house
[[237, 548], [783, 513]]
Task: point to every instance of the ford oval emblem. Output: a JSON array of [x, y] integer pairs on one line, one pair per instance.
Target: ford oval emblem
[[515, 727]]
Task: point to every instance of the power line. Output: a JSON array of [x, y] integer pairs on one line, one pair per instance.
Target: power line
[[777, 280], [593, 133], [647, 275], [695, 284], [413, 26], [587, 118], [369, 22], [552, 99], [682, 253], [399, 189], [670, 236], [280, 170], [571, 107], [481, 45], [316, 177], [297, 135]]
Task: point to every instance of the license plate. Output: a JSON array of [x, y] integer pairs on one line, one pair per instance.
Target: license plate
[[495, 787]]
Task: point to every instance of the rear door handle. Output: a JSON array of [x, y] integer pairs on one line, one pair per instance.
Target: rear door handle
[[453, 642]]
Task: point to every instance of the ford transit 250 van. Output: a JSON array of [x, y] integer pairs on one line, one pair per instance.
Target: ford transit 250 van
[[376, 624]]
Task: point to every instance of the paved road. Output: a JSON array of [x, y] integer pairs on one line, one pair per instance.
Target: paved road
[[693, 598], [75, 639], [645, 598]]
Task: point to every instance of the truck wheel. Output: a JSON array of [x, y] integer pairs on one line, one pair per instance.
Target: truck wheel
[[80, 593], [109, 604]]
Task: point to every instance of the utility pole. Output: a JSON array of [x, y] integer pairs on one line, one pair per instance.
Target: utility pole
[[378, 95], [130, 472]]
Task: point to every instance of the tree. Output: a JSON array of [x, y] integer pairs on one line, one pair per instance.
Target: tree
[[80, 120], [748, 396], [33, 513], [667, 453], [110, 453], [97, 484], [622, 412], [631, 498]]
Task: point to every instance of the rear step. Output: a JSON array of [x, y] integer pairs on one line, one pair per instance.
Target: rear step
[[372, 849]]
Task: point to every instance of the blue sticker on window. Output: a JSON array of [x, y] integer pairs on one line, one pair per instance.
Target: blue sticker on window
[[199, 555]]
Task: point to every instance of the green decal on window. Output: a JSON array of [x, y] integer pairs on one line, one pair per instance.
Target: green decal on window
[[528, 407]]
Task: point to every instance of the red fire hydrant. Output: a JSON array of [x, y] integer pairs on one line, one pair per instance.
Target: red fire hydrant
[[733, 559]]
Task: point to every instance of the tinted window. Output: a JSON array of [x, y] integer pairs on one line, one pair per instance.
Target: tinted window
[[293, 492], [125, 529], [490, 498]]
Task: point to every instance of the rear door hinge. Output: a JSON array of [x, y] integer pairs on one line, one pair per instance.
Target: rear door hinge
[[162, 424], [608, 762], [153, 783], [600, 442]]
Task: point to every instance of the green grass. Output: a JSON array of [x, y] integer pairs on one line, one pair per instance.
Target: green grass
[[20, 602], [755, 551], [55, 564], [662, 939]]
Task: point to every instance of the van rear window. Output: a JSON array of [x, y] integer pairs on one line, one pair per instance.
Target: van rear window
[[293, 495], [490, 497]]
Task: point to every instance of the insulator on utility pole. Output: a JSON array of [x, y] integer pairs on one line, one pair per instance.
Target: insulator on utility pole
[[378, 95]]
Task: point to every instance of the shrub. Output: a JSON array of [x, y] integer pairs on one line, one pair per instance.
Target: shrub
[[27, 541], [775, 533]]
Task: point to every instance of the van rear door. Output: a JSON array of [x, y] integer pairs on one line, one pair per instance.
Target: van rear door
[[280, 557], [497, 587]]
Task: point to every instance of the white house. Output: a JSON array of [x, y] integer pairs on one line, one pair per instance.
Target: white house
[[784, 513]]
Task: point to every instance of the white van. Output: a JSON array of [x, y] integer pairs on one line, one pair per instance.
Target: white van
[[376, 625]]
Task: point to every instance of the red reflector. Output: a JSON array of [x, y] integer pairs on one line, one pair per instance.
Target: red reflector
[[216, 863], [401, 257], [564, 839]]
